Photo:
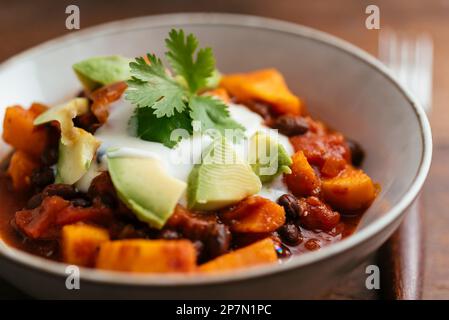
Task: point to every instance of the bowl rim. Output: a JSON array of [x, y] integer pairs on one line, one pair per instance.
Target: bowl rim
[[247, 21]]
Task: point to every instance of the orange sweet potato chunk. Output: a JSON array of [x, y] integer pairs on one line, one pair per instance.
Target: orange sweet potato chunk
[[255, 215], [157, 256], [303, 180], [37, 108], [266, 85], [20, 169], [261, 252], [351, 190], [80, 243], [19, 131]]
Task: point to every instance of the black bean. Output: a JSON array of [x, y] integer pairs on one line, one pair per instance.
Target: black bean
[[42, 177], [49, 156], [290, 204], [109, 200], [260, 108], [35, 201], [87, 121], [82, 94], [215, 236], [218, 239], [291, 125], [81, 202], [65, 191], [290, 234], [357, 153], [129, 231]]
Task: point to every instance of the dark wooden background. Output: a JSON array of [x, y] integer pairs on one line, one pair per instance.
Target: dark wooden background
[[27, 23]]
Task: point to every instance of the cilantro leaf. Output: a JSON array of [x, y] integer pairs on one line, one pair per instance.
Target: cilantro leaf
[[181, 52], [151, 128], [212, 113], [151, 86], [165, 102]]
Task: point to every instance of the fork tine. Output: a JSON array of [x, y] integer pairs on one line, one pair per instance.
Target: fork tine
[[411, 62], [384, 45], [392, 49], [404, 63], [426, 63], [420, 80]]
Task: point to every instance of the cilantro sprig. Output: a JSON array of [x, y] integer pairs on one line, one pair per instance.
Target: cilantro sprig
[[181, 55], [165, 102], [151, 86]]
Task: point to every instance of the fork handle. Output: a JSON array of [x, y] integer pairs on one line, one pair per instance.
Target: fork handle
[[401, 258]]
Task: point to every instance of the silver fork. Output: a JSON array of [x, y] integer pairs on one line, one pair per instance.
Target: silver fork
[[411, 61], [402, 256]]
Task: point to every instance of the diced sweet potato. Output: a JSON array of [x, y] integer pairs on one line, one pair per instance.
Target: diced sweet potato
[[158, 256], [333, 166], [20, 132], [351, 190], [261, 252], [255, 215], [264, 85], [20, 169], [80, 243], [37, 108], [220, 93], [303, 180]]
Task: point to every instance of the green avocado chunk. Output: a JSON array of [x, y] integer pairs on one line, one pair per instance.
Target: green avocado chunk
[[221, 179], [267, 157], [74, 159], [77, 147], [145, 188], [99, 71], [64, 114]]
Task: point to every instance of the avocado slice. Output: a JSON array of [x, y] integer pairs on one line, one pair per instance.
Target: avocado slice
[[99, 71], [77, 147], [74, 160], [144, 187], [267, 157], [221, 179], [64, 113]]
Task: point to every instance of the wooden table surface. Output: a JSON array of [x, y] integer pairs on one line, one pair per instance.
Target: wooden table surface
[[27, 23]]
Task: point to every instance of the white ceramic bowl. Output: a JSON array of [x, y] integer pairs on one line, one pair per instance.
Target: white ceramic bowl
[[341, 85]]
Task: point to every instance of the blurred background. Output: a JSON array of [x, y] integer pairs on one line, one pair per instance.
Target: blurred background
[[24, 24]]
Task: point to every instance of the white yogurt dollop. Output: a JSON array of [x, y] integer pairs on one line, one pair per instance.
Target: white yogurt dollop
[[180, 160]]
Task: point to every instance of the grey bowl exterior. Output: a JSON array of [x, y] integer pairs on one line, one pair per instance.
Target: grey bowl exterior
[[342, 85], [306, 282]]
